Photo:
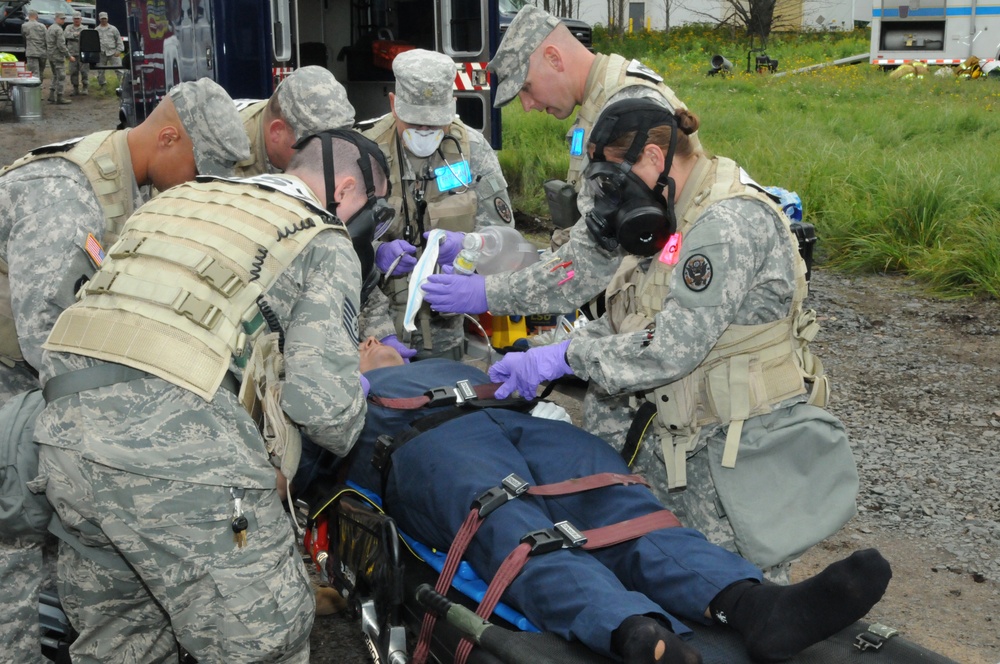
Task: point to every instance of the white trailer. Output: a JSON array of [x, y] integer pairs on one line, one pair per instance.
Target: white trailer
[[936, 32]]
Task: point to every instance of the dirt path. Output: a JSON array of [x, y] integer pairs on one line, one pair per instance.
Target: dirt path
[[918, 384]]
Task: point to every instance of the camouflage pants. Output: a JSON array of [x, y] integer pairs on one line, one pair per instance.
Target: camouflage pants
[[23, 571], [107, 61], [698, 506], [179, 578], [79, 75], [36, 66], [57, 87]]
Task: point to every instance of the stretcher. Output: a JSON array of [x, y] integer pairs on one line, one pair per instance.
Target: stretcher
[[382, 572]]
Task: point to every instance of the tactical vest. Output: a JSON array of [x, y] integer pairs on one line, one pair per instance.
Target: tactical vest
[[177, 294], [103, 157], [453, 210], [252, 116], [609, 75], [751, 368]]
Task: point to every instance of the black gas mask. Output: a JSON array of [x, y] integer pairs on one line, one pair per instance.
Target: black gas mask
[[372, 220], [626, 212]]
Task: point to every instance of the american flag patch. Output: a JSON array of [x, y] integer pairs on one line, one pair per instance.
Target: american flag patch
[[94, 250], [351, 321]]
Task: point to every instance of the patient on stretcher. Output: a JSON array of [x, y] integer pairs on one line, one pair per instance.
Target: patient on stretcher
[[626, 600]]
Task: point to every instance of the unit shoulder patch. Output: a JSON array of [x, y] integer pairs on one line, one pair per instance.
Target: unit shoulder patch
[[697, 273], [503, 209]]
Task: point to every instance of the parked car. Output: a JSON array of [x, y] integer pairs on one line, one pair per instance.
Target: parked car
[[15, 12], [580, 29]]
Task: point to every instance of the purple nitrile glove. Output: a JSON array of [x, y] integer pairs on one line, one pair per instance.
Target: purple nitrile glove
[[404, 351], [456, 293], [523, 372], [366, 387], [390, 251], [449, 247]]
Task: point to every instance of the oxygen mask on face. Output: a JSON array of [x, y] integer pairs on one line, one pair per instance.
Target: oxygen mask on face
[[422, 142]]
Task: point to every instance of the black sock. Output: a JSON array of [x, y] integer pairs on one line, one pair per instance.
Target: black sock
[[779, 621], [644, 640]]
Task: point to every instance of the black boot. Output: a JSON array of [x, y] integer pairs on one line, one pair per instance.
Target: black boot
[[777, 622]]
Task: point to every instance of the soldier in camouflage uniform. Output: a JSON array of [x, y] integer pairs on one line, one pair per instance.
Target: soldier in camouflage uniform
[[543, 64], [57, 52], [420, 136], [148, 454], [35, 49], [705, 325], [51, 202], [112, 46], [79, 71], [307, 101]]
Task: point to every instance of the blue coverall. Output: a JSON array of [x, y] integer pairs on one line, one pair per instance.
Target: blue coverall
[[577, 594]]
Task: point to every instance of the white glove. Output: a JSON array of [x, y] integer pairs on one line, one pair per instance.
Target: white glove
[[550, 411]]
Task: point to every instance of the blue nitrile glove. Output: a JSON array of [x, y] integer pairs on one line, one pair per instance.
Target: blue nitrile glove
[[523, 372], [366, 387], [404, 351], [449, 247], [390, 251], [456, 293]]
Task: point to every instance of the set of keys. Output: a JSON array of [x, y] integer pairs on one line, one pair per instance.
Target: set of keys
[[240, 523]]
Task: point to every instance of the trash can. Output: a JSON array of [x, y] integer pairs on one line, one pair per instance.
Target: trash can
[[27, 99]]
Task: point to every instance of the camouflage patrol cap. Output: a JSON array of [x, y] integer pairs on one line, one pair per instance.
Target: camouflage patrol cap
[[77, 15], [210, 118], [102, 15], [424, 88], [59, 15], [312, 100], [525, 34]]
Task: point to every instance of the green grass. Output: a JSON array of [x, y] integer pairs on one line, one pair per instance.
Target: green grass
[[897, 176]]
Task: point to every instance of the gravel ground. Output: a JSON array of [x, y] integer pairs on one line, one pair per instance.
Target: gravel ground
[[916, 380]]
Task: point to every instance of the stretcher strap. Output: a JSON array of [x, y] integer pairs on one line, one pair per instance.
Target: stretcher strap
[[465, 534], [587, 483], [505, 575], [597, 538], [616, 533], [485, 391]]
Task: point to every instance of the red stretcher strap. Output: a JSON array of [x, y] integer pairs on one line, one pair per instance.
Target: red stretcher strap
[[505, 575], [462, 538], [597, 538], [616, 533], [580, 484]]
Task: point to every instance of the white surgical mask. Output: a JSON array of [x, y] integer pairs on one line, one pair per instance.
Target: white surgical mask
[[422, 142]]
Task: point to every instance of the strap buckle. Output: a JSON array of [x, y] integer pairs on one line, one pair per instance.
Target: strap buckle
[[867, 641], [384, 447], [461, 393], [562, 535], [510, 488]]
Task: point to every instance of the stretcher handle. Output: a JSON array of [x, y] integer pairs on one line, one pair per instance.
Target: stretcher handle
[[507, 646]]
